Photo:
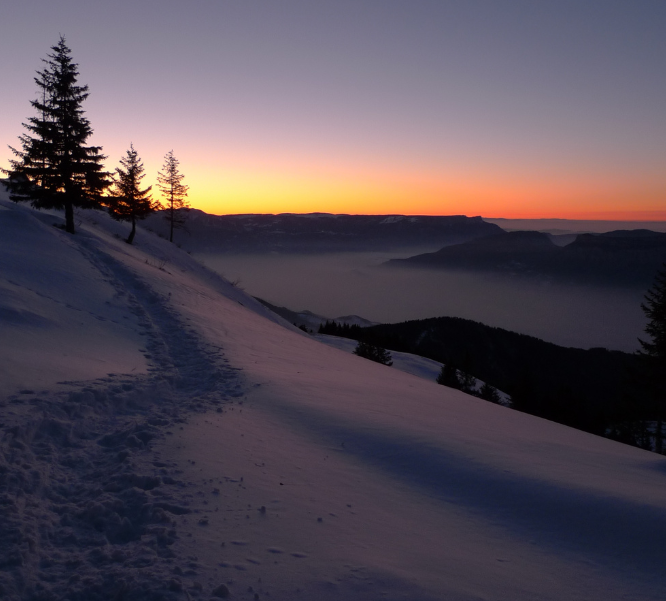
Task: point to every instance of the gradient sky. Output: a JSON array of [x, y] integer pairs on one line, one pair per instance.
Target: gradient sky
[[497, 108]]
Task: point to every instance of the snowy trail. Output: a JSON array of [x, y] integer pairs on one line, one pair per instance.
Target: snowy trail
[[195, 369], [88, 512]]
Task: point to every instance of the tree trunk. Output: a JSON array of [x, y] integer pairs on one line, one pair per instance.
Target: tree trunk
[[69, 218], [130, 239], [172, 216]]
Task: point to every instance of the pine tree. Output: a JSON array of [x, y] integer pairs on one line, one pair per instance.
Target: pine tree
[[448, 376], [169, 181], [374, 353], [654, 351], [489, 393], [467, 382], [128, 202], [54, 168]]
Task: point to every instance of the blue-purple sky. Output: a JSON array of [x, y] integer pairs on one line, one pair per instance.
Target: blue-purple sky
[[500, 108]]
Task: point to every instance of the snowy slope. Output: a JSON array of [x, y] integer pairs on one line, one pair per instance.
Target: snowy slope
[[407, 362], [56, 307], [231, 448]]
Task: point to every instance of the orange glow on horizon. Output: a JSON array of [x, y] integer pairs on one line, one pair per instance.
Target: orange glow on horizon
[[246, 190], [253, 179]]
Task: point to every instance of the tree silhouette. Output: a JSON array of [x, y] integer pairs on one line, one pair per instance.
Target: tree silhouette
[[128, 202], [374, 353], [653, 351], [169, 181], [54, 168], [489, 393], [448, 376]]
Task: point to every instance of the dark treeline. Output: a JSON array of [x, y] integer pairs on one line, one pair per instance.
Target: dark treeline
[[595, 390], [344, 330]]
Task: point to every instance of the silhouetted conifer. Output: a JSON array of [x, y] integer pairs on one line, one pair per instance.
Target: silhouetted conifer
[[170, 183], [54, 168], [128, 202], [489, 393], [467, 382], [653, 352], [448, 376], [374, 353]]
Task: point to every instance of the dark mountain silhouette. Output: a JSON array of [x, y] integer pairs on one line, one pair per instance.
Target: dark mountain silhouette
[[505, 251], [585, 389], [622, 257], [323, 232]]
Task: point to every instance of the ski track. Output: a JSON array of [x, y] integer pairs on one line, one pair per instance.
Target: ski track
[[88, 510]]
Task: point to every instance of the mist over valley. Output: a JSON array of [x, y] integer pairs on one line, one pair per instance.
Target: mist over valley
[[356, 283], [369, 265]]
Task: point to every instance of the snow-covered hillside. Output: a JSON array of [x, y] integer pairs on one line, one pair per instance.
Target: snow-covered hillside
[[164, 436]]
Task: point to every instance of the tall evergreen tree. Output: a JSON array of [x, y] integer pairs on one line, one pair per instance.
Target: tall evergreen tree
[[128, 202], [169, 181], [654, 351], [54, 168]]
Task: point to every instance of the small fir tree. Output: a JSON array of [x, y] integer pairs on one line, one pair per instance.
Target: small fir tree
[[653, 351], [448, 376], [54, 168], [170, 183], [128, 202], [374, 353], [489, 393], [467, 382]]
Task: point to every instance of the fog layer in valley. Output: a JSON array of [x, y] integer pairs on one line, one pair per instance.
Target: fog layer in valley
[[355, 283]]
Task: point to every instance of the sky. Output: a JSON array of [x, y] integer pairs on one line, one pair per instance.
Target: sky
[[515, 108]]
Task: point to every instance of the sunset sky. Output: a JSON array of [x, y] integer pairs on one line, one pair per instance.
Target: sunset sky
[[498, 108]]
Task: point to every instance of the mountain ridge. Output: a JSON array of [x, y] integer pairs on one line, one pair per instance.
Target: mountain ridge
[[621, 257], [320, 232]]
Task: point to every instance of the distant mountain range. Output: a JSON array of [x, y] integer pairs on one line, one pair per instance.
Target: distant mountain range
[[320, 232], [622, 257]]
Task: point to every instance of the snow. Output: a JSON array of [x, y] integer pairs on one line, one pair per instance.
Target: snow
[[49, 292], [392, 219], [411, 364], [231, 448]]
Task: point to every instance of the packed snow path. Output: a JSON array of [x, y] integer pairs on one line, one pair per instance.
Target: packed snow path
[[83, 515]]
